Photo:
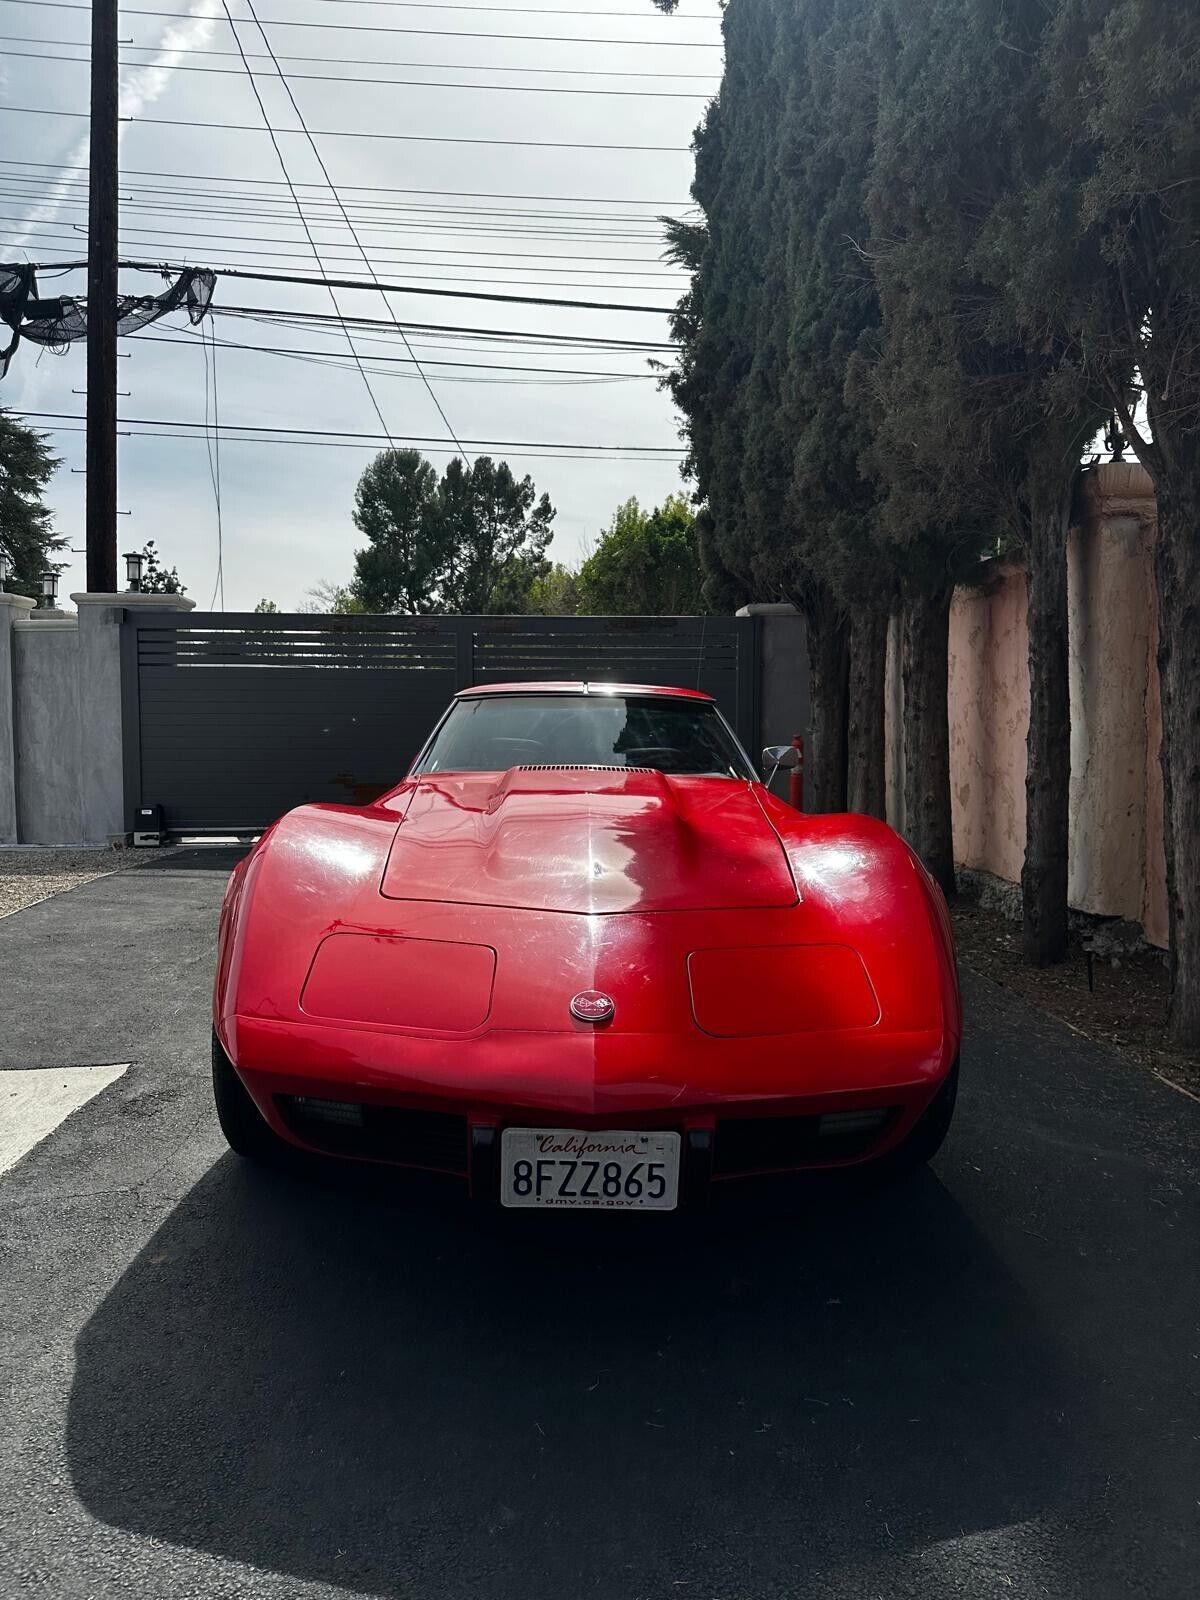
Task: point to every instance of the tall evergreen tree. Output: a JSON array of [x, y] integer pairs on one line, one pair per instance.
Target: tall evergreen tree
[[986, 426], [473, 542], [27, 534], [1123, 90]]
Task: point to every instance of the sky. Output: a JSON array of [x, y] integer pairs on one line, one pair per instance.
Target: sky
[[442, 207]]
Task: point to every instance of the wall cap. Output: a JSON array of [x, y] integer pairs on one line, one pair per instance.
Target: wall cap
[[16, 602], [150, 602], [768, 608], [47, 622]]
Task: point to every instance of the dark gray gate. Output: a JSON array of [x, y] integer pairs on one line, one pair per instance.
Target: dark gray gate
[[230, 719]]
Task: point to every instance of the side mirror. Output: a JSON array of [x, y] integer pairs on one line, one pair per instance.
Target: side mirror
[[780, 757]]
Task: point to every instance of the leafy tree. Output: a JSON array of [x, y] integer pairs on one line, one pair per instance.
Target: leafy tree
[[473, 542], [495, 532], [396, 508], [646, 564], [555, 593], [26, 525], [265, 606], [155, 577], [326, 598]]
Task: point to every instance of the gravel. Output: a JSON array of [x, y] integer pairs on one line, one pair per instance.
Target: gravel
[[30, 875]]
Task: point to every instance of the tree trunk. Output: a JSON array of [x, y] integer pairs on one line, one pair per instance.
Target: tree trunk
[[865, 784], [825, 758], [1048, 774], [927, 732], [1177, 571]]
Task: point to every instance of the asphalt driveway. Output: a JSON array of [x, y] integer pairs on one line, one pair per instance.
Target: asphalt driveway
[[226, 1383]]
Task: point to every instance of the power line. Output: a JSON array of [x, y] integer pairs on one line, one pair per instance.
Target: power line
[[333, 246], [348, 433], [518, 11], [317, 318], [401, 288], [374, 61], [352, 133], [229, 200], [240, 266], [312, 245], [486, 366], [348, 444], [277, 183], [398, 83], [363, 27], [333, 191]]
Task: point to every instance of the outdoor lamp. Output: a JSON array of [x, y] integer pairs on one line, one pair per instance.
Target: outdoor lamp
[[134, 562], [6, 569], [49, 590]]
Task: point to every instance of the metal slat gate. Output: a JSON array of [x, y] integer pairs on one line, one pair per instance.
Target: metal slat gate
[[230, 719]]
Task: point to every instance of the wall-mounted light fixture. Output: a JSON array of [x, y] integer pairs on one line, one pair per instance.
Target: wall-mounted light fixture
[[49, 590], [6, 570]]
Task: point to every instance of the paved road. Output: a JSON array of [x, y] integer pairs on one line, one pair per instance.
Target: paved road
[[222, 1383]]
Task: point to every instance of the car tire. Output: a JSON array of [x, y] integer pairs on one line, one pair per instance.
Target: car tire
[[927, 1138], [245, 1129]]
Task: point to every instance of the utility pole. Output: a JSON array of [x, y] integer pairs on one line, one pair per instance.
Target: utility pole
[[101, 520]]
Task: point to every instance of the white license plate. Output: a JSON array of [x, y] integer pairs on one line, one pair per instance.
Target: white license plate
[[564, 1169]]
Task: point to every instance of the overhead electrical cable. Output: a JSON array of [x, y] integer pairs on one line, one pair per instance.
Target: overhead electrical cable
[[333, 191], [325, 59], [349, 433], [365, 27], [315, 252], [489, 366], [401, 288], [354, 133], [374, 188], [397, 83]]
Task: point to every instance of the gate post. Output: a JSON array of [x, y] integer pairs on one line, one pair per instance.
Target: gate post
[[12, 607], [102, 775]]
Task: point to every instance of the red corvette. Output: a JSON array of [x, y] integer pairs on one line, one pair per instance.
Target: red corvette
[[582, 958]]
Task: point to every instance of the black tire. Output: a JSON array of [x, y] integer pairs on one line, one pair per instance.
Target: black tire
[[927, 1138], [242, 1123]]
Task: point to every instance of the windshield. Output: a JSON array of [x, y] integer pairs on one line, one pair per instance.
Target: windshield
[[495, 732]]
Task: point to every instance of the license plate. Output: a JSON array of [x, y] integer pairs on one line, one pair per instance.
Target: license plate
[[563, 1169]]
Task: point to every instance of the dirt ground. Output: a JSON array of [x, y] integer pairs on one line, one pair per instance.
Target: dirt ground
[[1126, 1007]]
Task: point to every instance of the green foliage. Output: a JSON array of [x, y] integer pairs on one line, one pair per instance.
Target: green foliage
[[495, 533], [326, 598], [26, 526], [646, 564], [472, 542], [155, 577], [555, 593], [265, 606]]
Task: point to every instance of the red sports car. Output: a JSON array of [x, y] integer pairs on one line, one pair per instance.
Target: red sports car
[[583, 958]]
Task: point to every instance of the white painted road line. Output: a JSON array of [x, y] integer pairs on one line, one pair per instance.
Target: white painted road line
[[33, 1102]]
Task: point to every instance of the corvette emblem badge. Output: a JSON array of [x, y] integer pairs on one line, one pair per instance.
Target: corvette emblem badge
[[592, 1006]]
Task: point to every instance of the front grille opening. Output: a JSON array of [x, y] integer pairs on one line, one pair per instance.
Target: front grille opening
[[746, 1145], [435, 1140]]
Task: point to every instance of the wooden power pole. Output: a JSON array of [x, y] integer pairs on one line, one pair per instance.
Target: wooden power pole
[[101, 520]]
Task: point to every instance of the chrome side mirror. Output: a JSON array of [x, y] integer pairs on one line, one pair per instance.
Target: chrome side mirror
[[780, 757]]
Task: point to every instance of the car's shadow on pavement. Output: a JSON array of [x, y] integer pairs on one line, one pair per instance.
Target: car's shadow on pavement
[[326, 1380]]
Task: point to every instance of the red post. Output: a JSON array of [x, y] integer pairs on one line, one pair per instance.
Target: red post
[[796, 775]]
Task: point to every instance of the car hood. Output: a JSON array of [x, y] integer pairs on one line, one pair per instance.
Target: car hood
[[587, 840]]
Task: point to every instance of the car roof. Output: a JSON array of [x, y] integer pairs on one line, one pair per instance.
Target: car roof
[[581, 688]]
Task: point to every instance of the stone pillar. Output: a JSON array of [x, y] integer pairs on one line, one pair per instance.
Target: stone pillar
[[12, 608], [102, 775]]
